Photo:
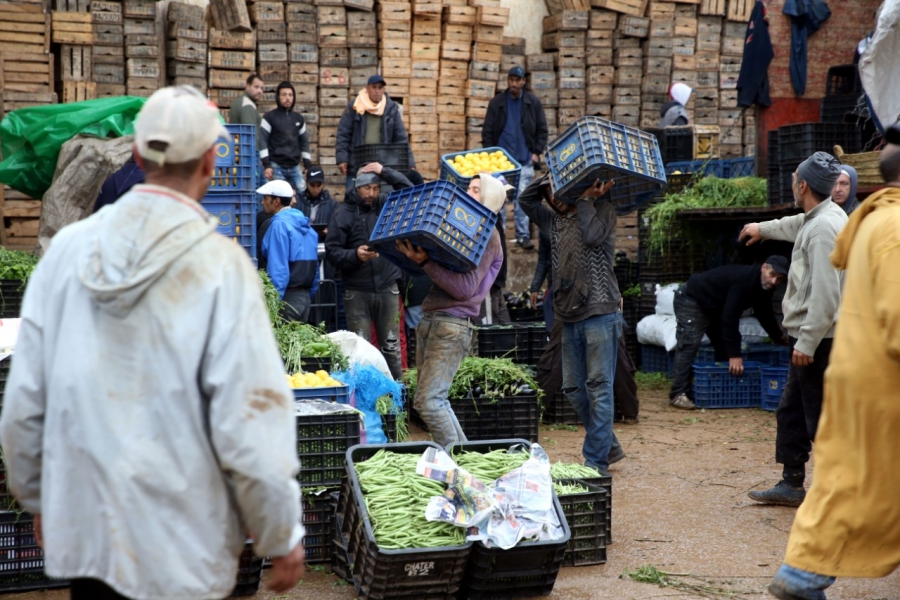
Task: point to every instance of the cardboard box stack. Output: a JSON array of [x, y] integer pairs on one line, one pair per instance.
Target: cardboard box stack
[[187, 37]]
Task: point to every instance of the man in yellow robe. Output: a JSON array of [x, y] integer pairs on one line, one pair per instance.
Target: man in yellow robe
[[849, 524]]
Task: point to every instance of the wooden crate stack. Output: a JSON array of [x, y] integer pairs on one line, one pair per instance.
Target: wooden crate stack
[[303, 65], [229, 54], [659, 58], [187, 36], [334, 84], [542, 83], [395, 51], [72, 28], [102, 63], [484, 69], [566, 33], [271, 48], [142, 52], [601, 71], [26, 66], [730, 117], [421, 105], [457, 35]]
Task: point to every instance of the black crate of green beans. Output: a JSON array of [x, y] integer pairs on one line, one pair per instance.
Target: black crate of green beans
[[322, 442], [318, 511], [586, 514], [526, 570], [588, 475], [379, 573]]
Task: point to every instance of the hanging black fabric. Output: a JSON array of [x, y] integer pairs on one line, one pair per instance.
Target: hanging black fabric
[[807, 17], [753, 82]]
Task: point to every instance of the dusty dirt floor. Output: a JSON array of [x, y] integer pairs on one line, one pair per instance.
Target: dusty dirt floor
[[679, 503]]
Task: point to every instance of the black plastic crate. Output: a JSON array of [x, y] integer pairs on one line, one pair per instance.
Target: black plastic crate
[[525, 314], [500, 341], [420, 573], [5, 366], [835, 109], [318, 511], [389, 421], [323, 307], [586, 515], [249, 573], [798, 142], [537, 342], [526, 570], [842, 80], [339, 564], [311, 364], [558, 410], [605, 482], [21, 559], [675, 143], [11, 293], [322, 443], [395, 156], [508, 417]]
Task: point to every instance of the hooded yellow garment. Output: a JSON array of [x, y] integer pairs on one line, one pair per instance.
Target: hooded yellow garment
[[849, 524]]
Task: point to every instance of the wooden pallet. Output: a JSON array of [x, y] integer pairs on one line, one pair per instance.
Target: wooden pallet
[[26, 73], [78, 91], [21, 220], [24, 28]]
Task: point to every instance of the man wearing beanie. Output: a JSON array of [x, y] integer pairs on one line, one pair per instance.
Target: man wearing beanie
[[444, 335], [844, 193], [371, 290], [810, 308]]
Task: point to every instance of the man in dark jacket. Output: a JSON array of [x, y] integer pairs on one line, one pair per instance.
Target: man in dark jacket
[[289, 247], [243, 109], [371, 293], [317, 204], [516, 122], [586, 300], [284, 141], [371, 118], [118, 184], [712, 303]]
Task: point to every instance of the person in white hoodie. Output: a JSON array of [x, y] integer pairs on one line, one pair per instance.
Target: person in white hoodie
[[147, 423]]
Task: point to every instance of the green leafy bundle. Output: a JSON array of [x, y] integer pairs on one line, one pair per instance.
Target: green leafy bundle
[[497, 377], [16, 265]]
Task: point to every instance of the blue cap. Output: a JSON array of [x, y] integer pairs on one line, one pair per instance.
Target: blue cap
[[517, 72], [376, 79]]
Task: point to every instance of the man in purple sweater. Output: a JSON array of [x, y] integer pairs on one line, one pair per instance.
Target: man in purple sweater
[[444, 335]]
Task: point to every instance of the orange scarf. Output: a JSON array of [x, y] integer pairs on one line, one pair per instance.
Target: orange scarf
[[363, 105]]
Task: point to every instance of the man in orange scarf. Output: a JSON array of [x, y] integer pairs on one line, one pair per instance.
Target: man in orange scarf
[[849, 524], [370, 118]]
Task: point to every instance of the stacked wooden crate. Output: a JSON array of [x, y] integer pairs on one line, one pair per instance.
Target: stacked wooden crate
[[542, 83], [72, 28], [601, 71], [659, 58], [395, 50], [230, 55], [457, 35], [484, 69], [271, 48], [566, 34], [334, 83], [142, 52], [303, 65], [26, 66], [187, 36], [513, 56], [102, 63], [730, 117], [421, 104], [21, 220]]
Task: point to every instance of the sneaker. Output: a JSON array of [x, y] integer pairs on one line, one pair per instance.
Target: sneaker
[[782, 494], [615, 455], [683, 402], [525, 244]]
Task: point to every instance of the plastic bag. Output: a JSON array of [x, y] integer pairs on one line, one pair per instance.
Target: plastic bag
[[367, 385], [359, 351], [31, 138]]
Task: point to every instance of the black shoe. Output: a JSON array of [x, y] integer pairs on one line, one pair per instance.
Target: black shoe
[[779, 591], [525, 244], [782, 494], [615, 455]]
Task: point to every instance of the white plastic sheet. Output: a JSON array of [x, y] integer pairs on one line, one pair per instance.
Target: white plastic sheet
[[878, 65]]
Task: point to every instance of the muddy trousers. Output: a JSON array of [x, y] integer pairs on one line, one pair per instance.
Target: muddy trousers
[[363, 309]]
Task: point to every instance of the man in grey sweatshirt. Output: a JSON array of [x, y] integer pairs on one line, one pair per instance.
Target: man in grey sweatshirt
[[810, 307]]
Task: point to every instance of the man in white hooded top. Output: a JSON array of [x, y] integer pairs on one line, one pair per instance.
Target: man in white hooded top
[[147, 423]]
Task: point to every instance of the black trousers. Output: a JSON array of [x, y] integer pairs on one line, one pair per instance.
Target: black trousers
[[800, 407], [691, 324], [93, 589]]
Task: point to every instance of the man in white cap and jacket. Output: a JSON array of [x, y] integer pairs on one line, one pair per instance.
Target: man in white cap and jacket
[[444, 335], [147, 424]]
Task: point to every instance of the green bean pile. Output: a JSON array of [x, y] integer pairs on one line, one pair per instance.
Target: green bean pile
[[569, 489], [491, 465], [563, 470], [396, 497]]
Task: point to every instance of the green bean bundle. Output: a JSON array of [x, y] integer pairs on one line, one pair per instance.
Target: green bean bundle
[[396, 497], [569, 489], [563, 470], [491, 465]]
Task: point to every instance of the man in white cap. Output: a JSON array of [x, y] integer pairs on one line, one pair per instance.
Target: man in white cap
[[147, 423], [289, 247], [444, 335], [674, 112]]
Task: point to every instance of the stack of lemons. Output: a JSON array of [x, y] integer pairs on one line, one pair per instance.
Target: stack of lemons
[[473, 163], [319, 379]]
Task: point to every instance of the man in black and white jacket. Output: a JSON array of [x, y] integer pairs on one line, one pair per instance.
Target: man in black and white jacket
[[284, 141]]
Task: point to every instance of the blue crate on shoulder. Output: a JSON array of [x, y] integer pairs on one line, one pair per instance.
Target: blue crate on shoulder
[[439, 216], [772, 382], [237, 162], [236, 216], [448, 173], [715, 387], [593, 148], [655, 359]]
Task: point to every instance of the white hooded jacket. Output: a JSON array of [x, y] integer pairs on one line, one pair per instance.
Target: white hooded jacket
[[147, 416]]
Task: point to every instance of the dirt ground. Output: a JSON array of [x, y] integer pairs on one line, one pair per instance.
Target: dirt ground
[[679, 503]]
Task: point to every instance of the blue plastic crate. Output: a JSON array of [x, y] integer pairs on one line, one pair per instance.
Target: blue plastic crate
[[340, 394], [772, 382], [765, 354], [712, 167], [450, 225], [237, 161], [593, 148], [715, 387], [236, 214], [655, 359], [738, 167], [448, 173]]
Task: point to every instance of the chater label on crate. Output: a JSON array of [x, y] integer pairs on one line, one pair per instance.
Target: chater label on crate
[[463, 218], [419, 569]]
